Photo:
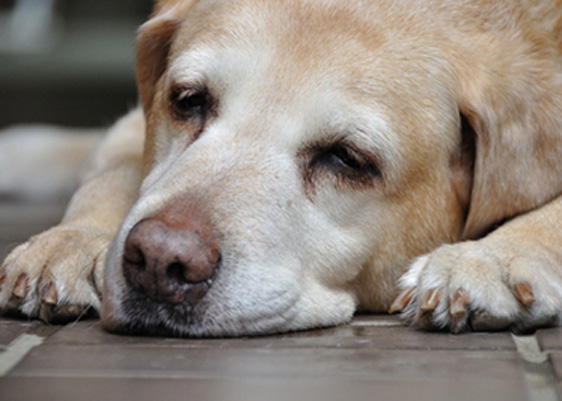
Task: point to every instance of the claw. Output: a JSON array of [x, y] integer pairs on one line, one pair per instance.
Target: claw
[[431, 300], [2, 278], [401, 301], [459, 304], [20, 288], [49, 295], [524, 293]]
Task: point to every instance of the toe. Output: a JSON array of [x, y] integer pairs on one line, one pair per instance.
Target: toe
[[485, 321]]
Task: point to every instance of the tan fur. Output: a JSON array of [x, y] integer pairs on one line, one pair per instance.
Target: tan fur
[[291, 76]]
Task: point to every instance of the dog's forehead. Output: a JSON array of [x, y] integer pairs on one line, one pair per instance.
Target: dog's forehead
[[314, 60], [255, 20], [299, 45], [291, 39]]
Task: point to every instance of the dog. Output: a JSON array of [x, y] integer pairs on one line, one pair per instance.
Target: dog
[[296, 161]]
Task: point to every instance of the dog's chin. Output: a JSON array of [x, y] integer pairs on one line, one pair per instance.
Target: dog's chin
[[220, 313], [216, 317], [142, 316]]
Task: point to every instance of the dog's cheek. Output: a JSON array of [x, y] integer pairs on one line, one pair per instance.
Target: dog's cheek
[[339, 236], [321, 305]]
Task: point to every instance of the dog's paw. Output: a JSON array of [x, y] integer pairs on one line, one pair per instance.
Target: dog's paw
[[55, 276], [482, 286]]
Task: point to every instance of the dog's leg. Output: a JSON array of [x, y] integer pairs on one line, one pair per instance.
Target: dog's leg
[[42, 162], [510, 279], [58, 275]]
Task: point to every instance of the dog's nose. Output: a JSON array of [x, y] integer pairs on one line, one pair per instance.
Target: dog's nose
[[168, 263]]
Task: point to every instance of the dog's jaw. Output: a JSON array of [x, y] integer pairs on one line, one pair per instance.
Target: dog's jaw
[[250, 295]]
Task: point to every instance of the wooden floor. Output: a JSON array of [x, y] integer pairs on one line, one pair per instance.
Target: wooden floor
[[373, 358]]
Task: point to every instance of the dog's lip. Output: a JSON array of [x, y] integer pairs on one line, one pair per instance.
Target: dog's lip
[[141, 315]]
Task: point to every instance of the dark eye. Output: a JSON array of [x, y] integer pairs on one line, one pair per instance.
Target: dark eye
[[189, 102], [340, 155], [346, 161]]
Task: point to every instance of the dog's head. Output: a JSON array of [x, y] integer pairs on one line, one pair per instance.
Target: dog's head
[[299, 154]]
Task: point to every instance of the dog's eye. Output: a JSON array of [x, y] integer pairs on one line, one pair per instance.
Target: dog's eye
[[348, 161], [342, 160], [188, 102], [340, 156]]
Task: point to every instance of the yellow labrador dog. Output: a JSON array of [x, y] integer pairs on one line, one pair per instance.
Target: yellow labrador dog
[[295, 161]]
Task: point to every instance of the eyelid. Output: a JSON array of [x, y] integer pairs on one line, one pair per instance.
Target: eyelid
[[367, 163], [318, 166], [366, 153], [351, 150], [184, 91]]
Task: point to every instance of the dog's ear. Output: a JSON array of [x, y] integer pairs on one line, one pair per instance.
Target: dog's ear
[[153, 45], [513, 104]]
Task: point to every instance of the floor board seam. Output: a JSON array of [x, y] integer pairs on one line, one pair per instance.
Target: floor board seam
[[538, 372], [17, 350]]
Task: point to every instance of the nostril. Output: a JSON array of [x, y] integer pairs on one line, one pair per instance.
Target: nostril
[[175, 273], [134, 268], [170, 264], [134, 256]]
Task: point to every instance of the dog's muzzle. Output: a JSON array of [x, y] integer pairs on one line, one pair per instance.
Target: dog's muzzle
[[172, 257]]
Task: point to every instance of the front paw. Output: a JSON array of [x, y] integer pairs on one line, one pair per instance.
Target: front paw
[[482, 286], [55, 276]]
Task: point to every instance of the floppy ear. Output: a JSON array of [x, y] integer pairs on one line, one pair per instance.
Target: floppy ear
[[153, 45], [513, 103]]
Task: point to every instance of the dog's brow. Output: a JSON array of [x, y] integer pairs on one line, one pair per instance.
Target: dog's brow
[[366, 129], [190, 66]]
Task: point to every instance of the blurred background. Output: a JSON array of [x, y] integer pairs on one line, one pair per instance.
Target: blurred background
[[68, 62]]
